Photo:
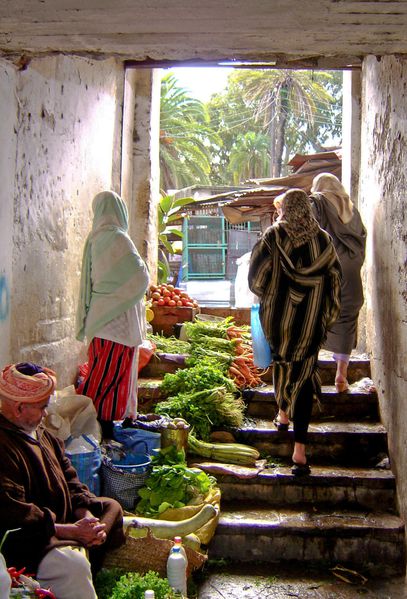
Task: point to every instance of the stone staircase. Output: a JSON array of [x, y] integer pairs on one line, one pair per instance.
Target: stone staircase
[[344, 513]]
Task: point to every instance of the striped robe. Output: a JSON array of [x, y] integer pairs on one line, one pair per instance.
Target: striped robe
[[299, 292]]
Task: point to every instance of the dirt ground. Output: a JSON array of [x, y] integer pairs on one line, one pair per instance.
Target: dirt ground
[[246, 582]]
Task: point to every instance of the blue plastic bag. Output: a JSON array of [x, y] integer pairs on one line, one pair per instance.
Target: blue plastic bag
[[86, 460], [136, 440], [262, 356]]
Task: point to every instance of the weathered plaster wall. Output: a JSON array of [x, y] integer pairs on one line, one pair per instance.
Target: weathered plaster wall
[[145, 184], [68, 138], [383, 203], [351, 138], [8, 124]]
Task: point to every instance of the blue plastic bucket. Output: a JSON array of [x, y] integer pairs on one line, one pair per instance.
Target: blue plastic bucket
[[136, 463]]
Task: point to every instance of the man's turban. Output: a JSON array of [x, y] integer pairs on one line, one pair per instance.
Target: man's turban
[[26, 382]]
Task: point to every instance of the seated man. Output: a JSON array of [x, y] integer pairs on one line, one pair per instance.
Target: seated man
[[41, 495]]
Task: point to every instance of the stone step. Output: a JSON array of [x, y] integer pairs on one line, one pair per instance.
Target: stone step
[[359, 403], [348, 443], [248, 533], [302, 581], [161, 364], [332, 486], [359, 367]]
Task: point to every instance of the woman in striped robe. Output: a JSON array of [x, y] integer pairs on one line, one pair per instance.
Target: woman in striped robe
[[111, 311], [295, 272]]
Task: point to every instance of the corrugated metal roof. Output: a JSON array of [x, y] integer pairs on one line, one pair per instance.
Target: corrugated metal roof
[[256, 203]]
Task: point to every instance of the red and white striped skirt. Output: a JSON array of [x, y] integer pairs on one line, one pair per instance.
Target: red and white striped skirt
[[109, 378]]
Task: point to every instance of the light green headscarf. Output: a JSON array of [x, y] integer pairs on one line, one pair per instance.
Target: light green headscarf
[[114, 277]]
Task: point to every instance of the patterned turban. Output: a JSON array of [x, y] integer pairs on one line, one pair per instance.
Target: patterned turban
[[27, 382]]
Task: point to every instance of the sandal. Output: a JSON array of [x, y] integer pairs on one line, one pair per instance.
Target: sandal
[[341, 386], [281, 426], [300, 469]]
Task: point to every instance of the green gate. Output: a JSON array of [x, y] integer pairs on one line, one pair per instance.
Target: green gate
[[204, 248], [211, 246]]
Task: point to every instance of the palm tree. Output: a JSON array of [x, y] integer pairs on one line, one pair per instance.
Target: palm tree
[[249, 157], [185, 136], [273, 95]]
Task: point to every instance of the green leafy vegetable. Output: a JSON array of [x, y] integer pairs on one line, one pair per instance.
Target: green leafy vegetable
[[169, 345], [204, 375], [168, 456], [205, 409], [106, 580], [207, 327], [134, 585], [172, 484]]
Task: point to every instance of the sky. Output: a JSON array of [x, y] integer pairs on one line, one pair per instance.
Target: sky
[[202, 81]]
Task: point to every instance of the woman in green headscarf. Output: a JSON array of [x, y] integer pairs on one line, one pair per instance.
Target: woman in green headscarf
[[111, 312], [295, 272]]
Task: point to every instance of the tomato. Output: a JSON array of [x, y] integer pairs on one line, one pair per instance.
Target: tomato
[[184, 301], [179, 303], [167, 299], [166, 293], [156, 295], [176, 297], [189, 305], [170, 287], [172, 303], [177, 290], [153, 288], [184, 294], [161, 302]]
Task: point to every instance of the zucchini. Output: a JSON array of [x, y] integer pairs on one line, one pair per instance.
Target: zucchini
[[167, 529], [229, 453]]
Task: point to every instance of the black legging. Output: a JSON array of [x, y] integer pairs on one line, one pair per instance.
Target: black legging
[[302, 412]]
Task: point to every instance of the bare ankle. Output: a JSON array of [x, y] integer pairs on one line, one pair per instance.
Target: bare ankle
[[282, 417], [299, 456]]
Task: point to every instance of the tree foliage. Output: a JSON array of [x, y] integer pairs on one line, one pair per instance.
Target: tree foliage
[[249, 156], [185, 135], [251, 129]]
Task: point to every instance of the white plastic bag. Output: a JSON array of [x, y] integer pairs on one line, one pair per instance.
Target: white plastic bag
[[244, 298], [5, 580]]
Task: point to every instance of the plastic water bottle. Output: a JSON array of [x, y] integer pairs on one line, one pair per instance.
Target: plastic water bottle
[[149, 595], [178, 543], [177, 570]]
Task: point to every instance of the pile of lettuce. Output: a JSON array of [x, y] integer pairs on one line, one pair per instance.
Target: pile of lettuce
[[171, 484]]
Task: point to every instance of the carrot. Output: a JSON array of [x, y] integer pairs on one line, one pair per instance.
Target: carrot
[[232, 334], [239, 360], [235, 371]]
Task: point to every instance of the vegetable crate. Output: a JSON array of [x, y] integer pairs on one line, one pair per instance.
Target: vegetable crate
[[165, 317]]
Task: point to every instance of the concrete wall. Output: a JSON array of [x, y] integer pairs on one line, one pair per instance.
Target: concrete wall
[[383, 185], [66, 113], [8, 125]]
